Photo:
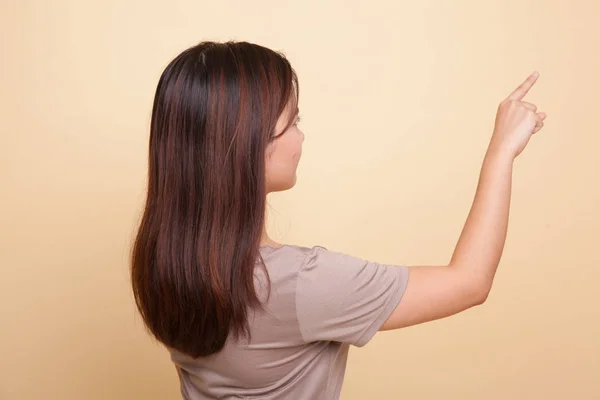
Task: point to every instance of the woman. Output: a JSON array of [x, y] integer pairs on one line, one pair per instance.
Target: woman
[[242, 315]]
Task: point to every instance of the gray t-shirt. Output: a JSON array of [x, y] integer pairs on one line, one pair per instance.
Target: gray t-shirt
[[320, 303]]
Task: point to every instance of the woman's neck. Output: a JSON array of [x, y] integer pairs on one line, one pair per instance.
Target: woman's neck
[[265, 240]]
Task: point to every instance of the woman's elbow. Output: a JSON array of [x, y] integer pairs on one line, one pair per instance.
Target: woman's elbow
[[480, 291]]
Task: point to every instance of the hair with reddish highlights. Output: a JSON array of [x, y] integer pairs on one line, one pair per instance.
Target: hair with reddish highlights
[[197, 245]]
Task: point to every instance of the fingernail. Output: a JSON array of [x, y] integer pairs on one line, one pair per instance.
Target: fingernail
[[536, 74]]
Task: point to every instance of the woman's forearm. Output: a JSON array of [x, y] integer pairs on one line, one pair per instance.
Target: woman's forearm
[[481, 242]]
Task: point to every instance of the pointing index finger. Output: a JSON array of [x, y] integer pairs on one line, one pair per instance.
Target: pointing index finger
[[524, 88]]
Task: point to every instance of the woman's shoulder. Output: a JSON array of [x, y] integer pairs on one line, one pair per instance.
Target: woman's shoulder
[[308, 258], [289, 249], [293, 254]]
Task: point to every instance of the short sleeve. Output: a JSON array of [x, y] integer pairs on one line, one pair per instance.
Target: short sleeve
[[345, 299]]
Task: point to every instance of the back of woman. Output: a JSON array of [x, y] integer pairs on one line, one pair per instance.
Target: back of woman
[[242, 315], [320, 302]]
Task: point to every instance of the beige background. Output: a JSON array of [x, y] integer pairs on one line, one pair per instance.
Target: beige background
[[398, 101]]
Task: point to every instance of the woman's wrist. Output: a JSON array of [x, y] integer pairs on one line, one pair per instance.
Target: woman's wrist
[[500, 152]]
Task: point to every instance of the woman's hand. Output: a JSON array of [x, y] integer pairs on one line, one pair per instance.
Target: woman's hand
[[516, 120]]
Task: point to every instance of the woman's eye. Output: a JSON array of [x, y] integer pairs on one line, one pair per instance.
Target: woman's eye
[[297, 120]]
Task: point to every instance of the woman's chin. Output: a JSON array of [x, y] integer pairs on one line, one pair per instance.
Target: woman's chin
[[283, 186]]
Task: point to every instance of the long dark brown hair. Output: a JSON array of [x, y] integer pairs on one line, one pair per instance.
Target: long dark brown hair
[[198, 242]]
